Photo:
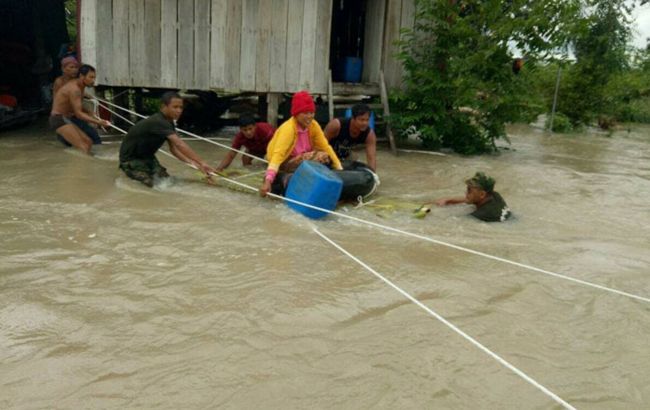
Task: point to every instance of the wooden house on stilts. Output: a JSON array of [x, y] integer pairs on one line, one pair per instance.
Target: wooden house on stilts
[[267, 47]]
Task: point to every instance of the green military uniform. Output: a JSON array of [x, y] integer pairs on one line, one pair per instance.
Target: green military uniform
[[138, 149], [494, 210]]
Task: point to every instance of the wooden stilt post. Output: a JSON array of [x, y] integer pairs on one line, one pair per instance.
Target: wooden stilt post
[[330, 96], [262, 106], [273, 102], [384, 102]]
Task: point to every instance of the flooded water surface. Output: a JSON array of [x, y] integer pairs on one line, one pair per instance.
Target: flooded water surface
[[113, 295]]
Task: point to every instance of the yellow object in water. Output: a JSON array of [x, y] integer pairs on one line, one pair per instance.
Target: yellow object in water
[[421, 212]]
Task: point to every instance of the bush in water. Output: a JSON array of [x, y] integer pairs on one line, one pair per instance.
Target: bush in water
[[561, 123]]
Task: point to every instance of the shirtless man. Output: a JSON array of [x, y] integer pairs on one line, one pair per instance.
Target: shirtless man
[[70, 69], [67, 104]]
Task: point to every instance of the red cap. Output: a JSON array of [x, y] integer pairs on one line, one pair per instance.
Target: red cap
[[302, 102]]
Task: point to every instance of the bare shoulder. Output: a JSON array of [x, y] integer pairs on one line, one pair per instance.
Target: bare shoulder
[[335, 123], [70, 88], [333, 128]]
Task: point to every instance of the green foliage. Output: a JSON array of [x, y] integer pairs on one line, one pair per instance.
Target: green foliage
[[150, 105], [561, 123], [71, 19], [608, 83], [460, 86], [600, 50]]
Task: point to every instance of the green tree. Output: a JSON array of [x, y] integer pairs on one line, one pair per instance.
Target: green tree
[[71, 19], [461, 81], [601, 53]]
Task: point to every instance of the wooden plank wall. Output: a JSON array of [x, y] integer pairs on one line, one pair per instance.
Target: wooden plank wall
[[232, 57], [169, 41], [226, 45], [136, 42], [202, 48], [152, 20], [248, 45], [218, 43], [87, 24], [121, 70], [278, 46], [104, 35], [185, 49], [373, 36], [399, 14], [294, 44]]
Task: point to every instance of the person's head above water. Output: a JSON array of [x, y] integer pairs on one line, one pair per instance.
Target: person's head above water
[[171, 105], [479, 188], [303, 108]]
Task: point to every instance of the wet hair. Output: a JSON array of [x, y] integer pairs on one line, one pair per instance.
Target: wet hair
[[85, 69], [246, 119], [168, 96], [359, 109]]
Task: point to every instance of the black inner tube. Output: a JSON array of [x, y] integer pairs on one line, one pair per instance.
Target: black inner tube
[[358, 180]]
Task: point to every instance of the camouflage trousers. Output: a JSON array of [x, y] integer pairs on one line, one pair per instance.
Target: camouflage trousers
[[144, 170]]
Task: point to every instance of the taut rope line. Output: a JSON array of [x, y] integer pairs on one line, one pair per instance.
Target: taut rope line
[[433, 313], [426, 238], [447, 323], [178, 129]]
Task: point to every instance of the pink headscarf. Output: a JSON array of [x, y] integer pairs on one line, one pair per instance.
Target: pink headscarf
[[69, 60]]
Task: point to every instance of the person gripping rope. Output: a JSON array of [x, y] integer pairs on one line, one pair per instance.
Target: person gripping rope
[[254, 136], [144, 139], [298, 139], [67, 106], [345, 133], [70, 71]]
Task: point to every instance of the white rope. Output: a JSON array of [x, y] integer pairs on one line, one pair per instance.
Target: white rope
[[460, 248], [116, 114], [415, 151], [207, 138], [437, 242], [420, 304], [184, 132], [249, 174], [447, 323], [117, 128]]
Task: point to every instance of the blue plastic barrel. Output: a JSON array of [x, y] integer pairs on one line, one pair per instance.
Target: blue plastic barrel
[[371, 122], [316, 185], [351, 69]]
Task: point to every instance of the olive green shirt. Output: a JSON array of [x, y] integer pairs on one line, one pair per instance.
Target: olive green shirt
[[146, 137], [494, 210]]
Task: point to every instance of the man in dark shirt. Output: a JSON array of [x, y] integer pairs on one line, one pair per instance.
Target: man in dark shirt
[[344, 133], [254, 136], [490, 206], [138, 149]]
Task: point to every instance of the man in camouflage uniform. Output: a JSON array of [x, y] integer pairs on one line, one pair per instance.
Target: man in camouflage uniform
[[490, 206]]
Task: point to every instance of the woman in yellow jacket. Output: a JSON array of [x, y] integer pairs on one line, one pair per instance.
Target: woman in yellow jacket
[[300, 138]]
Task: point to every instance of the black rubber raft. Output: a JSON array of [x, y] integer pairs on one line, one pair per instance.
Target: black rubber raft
[[358, 181]]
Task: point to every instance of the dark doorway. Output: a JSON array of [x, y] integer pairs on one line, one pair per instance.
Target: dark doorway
[[32, 33], [347, 39]]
